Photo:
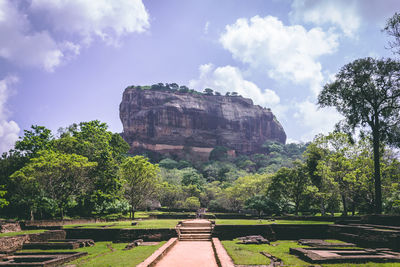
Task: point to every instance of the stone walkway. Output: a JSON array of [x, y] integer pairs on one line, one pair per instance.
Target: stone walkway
[[189, 253]]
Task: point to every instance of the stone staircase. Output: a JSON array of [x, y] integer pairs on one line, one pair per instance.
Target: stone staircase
[[195, 230]]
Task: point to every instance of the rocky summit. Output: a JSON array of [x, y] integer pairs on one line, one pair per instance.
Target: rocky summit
[[187, 123]]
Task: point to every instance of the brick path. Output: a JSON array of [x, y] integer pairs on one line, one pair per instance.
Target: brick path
[[189, 253]]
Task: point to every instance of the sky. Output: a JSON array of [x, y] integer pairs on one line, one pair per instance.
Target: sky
[[68, 61]]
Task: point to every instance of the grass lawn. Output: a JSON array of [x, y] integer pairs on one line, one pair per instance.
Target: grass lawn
[[250, 254], [110, 254], [141, 224], [255, 221], [171, 223], [22, 233]]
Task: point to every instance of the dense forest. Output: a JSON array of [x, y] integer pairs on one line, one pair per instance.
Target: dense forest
[[85, 170]]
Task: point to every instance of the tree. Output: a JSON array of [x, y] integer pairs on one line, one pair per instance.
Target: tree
[[39, 138], [140, 179], [192, 203], [192, 177], [208, 91], [93, 140], [61, 176], [262, 203], [290, 184], [219, 153], [367, 93], [392, 28]]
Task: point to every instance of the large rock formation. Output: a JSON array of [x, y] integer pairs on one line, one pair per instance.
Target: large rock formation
[[189, 123]]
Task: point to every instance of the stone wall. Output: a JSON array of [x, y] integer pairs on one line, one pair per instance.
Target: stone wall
[[43, 237], [366, 236], [301, 231], [55, 223], [12, 243], [393, 220], [121, 235], [229, 232], [6, 227]]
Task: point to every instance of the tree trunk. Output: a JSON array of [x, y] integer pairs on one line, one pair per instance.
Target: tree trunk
[[322, 207], [344, 205], [62, 214], [377, 169], [32, 215]]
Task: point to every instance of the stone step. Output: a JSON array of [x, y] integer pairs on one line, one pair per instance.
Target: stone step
[[196, 223], [195, 236], [195, 229], [199, 239]]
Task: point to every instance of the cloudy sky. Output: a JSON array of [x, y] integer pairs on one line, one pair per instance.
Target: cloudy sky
[[66, 61]]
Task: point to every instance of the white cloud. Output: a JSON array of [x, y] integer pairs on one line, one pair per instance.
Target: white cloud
[[107, 19], [8, 129], [315, 120], [343, 14], [22, 46], [284, 52], [46, 33], [206, 26], [347, 15], [230, 79]]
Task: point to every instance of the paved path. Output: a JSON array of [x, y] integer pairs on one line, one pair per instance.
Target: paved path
[[189, 253]]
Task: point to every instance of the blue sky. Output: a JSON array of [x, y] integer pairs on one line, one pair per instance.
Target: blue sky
[[66, 61]]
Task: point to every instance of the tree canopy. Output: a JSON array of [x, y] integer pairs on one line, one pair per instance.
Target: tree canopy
[[367, 93]]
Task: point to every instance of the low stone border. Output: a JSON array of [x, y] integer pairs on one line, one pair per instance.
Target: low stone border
[[222, 257], [158, 254]]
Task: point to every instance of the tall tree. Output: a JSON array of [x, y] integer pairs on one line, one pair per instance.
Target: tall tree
[[367, 93], [140, 179], [61, 176]]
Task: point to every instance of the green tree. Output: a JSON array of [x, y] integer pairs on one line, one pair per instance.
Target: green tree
[[61, 176], [192, 177], [208, 91], [291, 184], [219, 153], [168, 164], [244, 188], [192, 203], [39, 138], [93, 140], [262, 204], [3, 201], [140, 179], [367, 93]]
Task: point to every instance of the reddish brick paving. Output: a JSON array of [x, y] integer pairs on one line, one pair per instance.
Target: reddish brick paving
[[189, 253]]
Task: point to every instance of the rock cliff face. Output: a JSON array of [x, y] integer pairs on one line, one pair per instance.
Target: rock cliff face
[[181, 123]]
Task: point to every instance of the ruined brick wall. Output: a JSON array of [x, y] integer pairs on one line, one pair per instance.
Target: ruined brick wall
[[7, 227], [12, 243]]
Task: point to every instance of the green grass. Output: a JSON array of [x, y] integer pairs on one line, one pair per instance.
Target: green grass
[[22, 233], [143, 224], [334, 241], [250, 254], [109, 254], [254, 221], [171, 223]]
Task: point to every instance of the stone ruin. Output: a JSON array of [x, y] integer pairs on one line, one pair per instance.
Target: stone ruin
[[253, 239], [323, 244], [343, 255]]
